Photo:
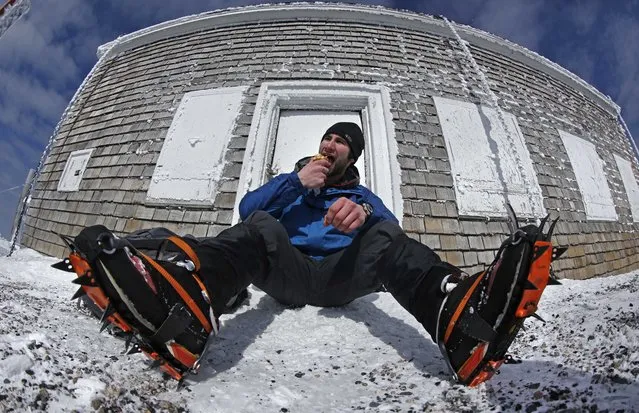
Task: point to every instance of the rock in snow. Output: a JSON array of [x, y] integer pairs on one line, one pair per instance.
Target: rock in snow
[[369, 355]]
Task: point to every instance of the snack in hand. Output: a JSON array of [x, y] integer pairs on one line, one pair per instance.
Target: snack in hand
[[318, 157]]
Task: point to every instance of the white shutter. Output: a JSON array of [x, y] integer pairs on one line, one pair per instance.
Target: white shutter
[[192, 158], [630, 184], [589, 172], [484, 162]]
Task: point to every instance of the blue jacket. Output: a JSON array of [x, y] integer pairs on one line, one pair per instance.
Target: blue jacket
[[301, 211]]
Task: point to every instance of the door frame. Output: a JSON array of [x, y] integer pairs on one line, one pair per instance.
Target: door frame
[[383, 173]]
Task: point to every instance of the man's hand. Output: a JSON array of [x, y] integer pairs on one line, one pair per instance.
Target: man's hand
[[313, 175], [345, 215]]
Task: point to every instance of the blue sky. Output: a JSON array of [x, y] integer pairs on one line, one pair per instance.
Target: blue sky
[[45, 56]]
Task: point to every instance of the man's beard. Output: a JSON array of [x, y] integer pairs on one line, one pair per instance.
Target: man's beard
[[338, 170]]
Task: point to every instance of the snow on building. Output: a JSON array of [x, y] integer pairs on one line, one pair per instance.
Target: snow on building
[[179, 120]]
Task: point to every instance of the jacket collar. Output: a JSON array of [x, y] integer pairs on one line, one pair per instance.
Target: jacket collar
[[349, 180]]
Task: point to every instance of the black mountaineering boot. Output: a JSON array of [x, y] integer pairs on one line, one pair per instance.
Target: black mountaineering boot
[[158, 301], [481, 314]]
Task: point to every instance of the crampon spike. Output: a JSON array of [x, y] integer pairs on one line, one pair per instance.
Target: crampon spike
[[104, 326], [511, 360], [155, 364], [513, 225], [543, 222], [67, 240], [552, 278], [538, 317], [64, 265], [558, 252], [127, 342], [530, 286], [551, 229], [181, 384], [78, 293], [135, 349], [108, 311], [84, 280]]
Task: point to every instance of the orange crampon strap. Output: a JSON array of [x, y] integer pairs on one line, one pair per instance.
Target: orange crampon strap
[[188, 300], [186, 248]]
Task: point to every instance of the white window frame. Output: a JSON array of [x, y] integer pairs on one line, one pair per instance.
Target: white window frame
[[63, 184], [190, 165], [591, 178], [630, 185], [487, 197], [383, 173]]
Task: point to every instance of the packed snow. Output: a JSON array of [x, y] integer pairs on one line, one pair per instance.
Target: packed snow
[[370, 355]]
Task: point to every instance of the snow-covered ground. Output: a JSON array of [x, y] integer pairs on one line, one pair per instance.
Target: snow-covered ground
[[369, 355]]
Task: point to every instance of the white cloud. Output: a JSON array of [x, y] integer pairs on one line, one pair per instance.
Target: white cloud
[[583, 14], [622, 37], [29, 97], [38, 40], [13, 154], [521, 23], [149, 14]]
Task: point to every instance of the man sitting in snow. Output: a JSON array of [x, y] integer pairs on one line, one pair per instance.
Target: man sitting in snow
[[313, 236]]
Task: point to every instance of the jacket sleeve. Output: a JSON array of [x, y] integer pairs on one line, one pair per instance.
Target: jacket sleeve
[[380, 212], [273, 196]]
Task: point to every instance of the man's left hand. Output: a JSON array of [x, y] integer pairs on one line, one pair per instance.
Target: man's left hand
[[345, 215]]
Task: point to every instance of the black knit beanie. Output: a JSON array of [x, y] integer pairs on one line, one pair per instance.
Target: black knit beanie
[[353, 135]]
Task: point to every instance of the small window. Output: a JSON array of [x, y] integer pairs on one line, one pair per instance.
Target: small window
[[486, 167], [299, 133], [74, 170], [589, 172], [192, 158], [630, 183]]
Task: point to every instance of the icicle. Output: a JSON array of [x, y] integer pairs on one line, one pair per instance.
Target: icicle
[[26, 200], [495, 104]]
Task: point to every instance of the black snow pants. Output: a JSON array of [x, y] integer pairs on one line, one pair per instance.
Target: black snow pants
[[258, 251]]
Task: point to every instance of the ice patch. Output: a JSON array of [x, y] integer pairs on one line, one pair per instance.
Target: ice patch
[[87, 388], [14, 365]]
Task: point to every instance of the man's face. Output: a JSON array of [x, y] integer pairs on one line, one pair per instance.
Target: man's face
[[336, 149]]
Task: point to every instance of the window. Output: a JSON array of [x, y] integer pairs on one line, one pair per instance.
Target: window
[[283, 103], [192, 158], [589, 172], [630, 184], [74, 170], [487, 169]]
